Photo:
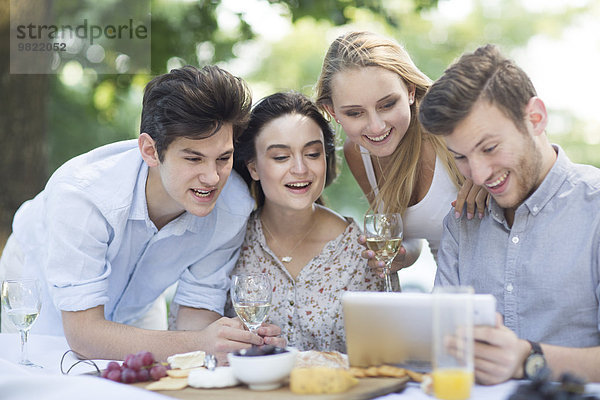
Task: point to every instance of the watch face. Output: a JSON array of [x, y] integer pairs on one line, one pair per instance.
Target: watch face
[[534, 364]]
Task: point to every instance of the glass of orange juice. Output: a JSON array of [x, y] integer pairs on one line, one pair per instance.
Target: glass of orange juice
[[452, 342]]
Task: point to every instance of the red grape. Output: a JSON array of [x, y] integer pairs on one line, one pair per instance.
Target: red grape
[[158, 371], [113, 365], [128, 359], [114, 375], [128, 376], [135, 363], [142, 375], [147, 358]]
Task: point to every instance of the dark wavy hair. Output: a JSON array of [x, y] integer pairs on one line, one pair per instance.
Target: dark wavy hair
[[194, 103], [269, 109]]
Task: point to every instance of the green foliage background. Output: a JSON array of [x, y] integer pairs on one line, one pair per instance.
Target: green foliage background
[[105, 108]]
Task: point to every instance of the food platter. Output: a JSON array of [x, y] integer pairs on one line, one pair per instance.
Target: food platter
[[367, 388]]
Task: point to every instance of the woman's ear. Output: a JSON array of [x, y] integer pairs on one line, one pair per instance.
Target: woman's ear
[[331, 112], [251, 165], [148, 150]]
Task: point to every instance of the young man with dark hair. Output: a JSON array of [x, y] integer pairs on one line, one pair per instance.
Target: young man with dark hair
[[117, 226], [537, 249]]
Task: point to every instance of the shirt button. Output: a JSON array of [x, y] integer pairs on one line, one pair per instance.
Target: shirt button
[[509, 287], [291, 302], [535, 209], [515, 239]]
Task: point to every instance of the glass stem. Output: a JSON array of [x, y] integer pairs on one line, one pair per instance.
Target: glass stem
[[24, 355], [388, 279]]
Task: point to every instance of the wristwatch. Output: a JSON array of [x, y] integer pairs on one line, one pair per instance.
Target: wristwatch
[[535, 361]]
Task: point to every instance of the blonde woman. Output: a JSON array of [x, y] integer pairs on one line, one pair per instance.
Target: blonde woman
[[371, 87]]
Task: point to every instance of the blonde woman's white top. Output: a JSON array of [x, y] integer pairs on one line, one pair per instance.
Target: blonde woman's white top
[[424, 219]]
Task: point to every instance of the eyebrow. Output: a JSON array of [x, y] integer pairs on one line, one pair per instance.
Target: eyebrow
[[285, 146], [378, 101], [199, 154], [474, 147]]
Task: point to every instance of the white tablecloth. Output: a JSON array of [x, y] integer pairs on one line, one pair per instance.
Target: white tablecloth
[[47, 383]]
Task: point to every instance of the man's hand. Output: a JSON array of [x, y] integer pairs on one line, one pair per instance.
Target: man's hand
[[499, 353], [378, 266], [474, 196]]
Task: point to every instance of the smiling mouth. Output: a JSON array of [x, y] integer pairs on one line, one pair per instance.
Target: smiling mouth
[[299, 185], [498, 181], [379, 138], [202, 193]]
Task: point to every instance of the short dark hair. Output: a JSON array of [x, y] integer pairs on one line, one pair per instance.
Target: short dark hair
[[484, 74], [193, 103], [269, 109]]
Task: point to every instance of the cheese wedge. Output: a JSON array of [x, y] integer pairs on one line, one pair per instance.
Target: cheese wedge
[[205, 379], [187, 360], [321, 380]]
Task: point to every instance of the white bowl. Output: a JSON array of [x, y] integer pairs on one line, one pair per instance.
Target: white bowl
[[263, 372]]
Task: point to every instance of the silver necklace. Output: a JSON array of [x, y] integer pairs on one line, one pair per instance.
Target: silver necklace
[[287, 259]]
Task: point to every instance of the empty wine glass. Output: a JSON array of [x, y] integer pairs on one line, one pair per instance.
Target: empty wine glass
[[384, 236], [251, 298], [21, 304]]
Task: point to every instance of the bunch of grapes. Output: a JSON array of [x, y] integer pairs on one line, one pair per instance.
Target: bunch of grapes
[[140, 367]]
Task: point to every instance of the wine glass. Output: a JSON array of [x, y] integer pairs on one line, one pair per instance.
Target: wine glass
[[251, 298], [21, 304], [384, 237]]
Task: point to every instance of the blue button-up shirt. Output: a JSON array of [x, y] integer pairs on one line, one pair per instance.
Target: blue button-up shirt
[[89, 237], [544, 270]]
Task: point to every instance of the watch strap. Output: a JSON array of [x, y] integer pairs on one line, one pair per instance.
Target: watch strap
[[535, 348]]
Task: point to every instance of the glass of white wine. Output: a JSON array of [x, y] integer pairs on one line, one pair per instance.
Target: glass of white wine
[[21, 303], [384, 236], [251, 298]]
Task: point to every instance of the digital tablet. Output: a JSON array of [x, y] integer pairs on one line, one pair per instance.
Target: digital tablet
[[396, 328]]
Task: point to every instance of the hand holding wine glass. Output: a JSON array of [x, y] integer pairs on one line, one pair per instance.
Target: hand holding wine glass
[[21, 304], [251, 298], [384, 237]]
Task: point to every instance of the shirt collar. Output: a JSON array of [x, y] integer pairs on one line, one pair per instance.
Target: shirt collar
[[544, 193], [139, 209]]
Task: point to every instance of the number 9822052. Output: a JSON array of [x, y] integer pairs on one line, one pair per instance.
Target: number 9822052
[[42, 46]]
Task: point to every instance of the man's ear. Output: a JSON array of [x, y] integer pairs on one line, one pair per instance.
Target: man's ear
[[536, 114], [148, 150], [251, 165]]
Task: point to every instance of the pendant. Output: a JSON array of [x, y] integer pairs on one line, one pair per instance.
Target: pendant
[[286, 259]]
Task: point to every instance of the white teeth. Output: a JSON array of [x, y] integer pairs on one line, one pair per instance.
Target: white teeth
[[202, 193], [298, 185], [498, 181], [380, 138]]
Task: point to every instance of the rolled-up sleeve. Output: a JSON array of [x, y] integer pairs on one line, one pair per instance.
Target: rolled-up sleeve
[[76, 266]]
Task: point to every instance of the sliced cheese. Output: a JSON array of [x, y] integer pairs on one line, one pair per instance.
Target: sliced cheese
[[320, 380], [187, 360]]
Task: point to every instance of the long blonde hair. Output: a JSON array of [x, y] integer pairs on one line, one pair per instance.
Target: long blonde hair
[[366, 49]]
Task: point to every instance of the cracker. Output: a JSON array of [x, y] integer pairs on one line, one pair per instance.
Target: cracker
[[391, 371], [180, 373], [415, 376], [168, 383], [357, 372]]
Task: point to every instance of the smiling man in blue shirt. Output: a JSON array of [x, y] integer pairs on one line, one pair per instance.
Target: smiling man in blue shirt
[[537, 249], [118, 225]]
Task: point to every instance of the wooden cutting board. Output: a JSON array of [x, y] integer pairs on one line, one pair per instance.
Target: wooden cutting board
[[367, 388]]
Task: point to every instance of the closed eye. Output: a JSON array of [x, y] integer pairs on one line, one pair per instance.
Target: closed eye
[[490, 149], [388, 105]]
